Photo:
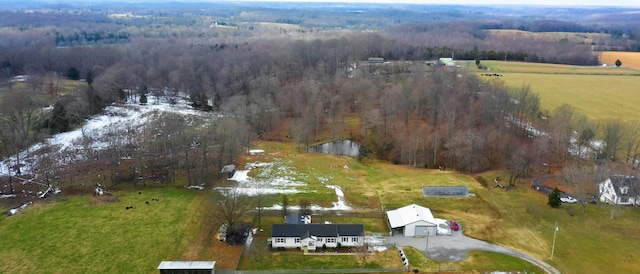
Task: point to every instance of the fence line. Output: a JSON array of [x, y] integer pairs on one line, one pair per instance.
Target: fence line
[[293, 271]]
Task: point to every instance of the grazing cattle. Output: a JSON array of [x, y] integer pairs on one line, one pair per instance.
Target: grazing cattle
[[139, 192], [147, 202]]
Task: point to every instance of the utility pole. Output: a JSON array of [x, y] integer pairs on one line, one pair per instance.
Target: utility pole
[[553, 246], [426, 251]]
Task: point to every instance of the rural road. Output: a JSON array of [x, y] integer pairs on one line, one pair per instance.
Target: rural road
[[456, 247]]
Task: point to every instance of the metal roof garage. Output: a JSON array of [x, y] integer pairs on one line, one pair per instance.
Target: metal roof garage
[[187, 267], [412, 220]]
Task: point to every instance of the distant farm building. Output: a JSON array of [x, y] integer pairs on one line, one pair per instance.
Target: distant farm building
[[375, 60], [190, 267], [447, 62], [337, 147], [445, 191]]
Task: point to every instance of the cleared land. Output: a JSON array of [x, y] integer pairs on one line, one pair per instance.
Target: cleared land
[[590, 90], [86, 235], [628, 59], [97, 235]]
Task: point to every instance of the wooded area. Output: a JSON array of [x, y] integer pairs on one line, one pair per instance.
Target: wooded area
[[280, 82]]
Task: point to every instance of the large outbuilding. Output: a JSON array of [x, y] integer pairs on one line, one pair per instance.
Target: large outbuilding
[[183, 267], [416, 220]]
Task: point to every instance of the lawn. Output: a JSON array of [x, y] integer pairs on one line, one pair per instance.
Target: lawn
[[476, 262], [92, 235], [261, 257]]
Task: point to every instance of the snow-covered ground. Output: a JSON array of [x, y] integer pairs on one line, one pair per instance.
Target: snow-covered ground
[[281, 181], [118, 119], [99, 130]]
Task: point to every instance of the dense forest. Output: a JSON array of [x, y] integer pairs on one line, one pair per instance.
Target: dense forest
[[279, 81]]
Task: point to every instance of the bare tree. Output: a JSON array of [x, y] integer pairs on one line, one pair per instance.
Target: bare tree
[[363, 251], [613, 131], [232, 207], [305, 206]]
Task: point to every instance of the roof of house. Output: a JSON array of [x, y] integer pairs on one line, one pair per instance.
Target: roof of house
[[187, 265], [409, 214], [631, 182], [319, 230], [296, 218]]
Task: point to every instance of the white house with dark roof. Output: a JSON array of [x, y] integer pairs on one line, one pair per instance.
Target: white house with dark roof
[[312, 236], [416, 220], [621, 190]]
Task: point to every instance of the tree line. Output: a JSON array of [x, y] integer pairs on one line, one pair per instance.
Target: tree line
[[306, 90]]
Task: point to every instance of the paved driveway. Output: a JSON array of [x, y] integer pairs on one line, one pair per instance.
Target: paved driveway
[[457, 246]]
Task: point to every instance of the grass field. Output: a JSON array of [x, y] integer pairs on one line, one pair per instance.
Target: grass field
[[87, 235], [628, 59], [590, 90], [478, 261], [91, 235]]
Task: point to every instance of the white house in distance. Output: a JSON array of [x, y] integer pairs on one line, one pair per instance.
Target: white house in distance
[[621, 190], [312, 236], [415, 220]]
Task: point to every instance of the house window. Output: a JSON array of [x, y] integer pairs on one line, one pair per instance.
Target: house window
[[624, 200], [345, 239], [331, 240], [280, 240], [354, 239], [297, 240]]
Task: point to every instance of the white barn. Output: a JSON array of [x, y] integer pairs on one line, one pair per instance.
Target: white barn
[[621, 190], [415, 220]]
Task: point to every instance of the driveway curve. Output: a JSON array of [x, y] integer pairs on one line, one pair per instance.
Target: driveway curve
[[457, 246]]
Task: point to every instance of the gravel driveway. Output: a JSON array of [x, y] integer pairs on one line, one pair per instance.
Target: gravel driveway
[[457, 246]]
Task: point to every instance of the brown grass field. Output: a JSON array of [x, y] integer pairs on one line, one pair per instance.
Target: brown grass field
[[599, 93], [628, 59]]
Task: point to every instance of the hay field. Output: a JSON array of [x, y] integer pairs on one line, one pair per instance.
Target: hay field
[[628, 59], [597, 92]]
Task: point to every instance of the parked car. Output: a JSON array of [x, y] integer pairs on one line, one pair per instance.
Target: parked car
[[455, 226], [568, 200]]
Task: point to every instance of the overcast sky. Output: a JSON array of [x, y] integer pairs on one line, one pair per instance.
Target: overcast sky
[[624, 3], [628, 3]]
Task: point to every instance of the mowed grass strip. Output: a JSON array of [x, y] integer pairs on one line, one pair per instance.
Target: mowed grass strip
[[89, 235], [476, 262]]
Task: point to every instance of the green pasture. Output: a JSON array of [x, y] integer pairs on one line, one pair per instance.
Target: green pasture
[[92, 235]]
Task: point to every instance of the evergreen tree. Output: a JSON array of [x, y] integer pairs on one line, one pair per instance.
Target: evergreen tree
[[554, 198], [72, 73], [618, 63], [143, 94]]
